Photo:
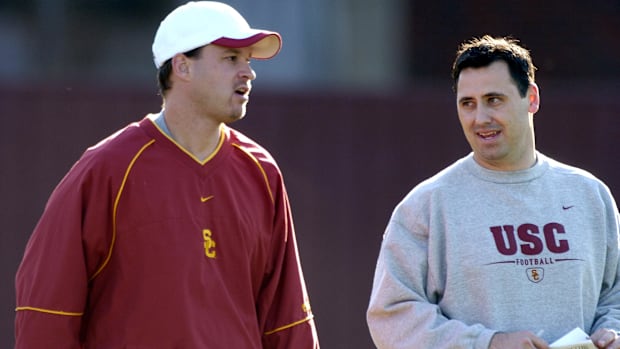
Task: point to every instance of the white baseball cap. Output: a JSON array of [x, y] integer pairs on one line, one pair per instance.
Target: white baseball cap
[[198, 23]]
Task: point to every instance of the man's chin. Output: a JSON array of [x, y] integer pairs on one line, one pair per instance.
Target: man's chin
[[235, 117]]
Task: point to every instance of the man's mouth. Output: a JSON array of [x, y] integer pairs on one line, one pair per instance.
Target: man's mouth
[[488, 134], [243, 91]]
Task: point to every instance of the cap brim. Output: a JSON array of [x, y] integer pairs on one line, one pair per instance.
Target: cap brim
[[264, 45]]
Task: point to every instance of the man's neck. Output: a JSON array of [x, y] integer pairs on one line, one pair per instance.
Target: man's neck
[[197, 134]]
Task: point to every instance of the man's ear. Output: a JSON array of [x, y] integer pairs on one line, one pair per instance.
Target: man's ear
[[180, 66], [533, 96]]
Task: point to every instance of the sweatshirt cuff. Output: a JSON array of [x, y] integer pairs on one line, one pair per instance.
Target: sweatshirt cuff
[[484, 339]]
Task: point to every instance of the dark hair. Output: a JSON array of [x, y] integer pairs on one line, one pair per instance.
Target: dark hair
[[481, 52], [163, 73]]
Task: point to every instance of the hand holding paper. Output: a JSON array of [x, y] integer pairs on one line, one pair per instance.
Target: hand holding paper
[[575, 339]]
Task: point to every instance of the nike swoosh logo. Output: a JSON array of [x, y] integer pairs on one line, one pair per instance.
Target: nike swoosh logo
[[205, 199], [567, 207]]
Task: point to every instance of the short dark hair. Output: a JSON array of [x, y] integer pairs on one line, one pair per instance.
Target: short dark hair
[[481, 52], [163, 73]]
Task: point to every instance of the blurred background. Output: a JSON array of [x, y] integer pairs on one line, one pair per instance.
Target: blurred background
[[357, 109]]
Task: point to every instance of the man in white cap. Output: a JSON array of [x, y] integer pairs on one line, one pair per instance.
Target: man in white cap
[[176, 231]]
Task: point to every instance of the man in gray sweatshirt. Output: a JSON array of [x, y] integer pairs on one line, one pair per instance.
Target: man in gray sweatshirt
[[506, 248]]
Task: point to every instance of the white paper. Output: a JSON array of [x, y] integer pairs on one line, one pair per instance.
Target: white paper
[[575, 339]]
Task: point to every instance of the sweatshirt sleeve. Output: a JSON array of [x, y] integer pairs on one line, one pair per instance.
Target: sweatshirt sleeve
[[608, 309], [283, 305], [403, 310], [68, 244]]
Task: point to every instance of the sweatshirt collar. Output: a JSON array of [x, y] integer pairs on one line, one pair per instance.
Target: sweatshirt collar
[[529, 174]]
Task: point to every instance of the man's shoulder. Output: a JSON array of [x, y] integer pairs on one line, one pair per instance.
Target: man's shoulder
[[251, 148], [444, 182], [452, 174], [118, 148], [133, 133], [560, 168]]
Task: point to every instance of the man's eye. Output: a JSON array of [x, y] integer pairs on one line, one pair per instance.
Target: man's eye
[[494, 100]]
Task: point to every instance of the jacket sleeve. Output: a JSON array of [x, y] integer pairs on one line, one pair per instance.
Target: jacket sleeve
[[283, 305], [403, 310], [65, 249]]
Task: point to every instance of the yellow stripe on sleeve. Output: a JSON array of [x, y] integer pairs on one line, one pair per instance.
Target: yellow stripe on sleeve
[[262, 170], [308, 318], [49, 311], [118, 197]]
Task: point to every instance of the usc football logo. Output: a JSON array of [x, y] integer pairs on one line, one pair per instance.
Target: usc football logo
[[535, 274]]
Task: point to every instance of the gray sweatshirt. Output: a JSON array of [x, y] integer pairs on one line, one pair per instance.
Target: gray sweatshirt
[[472, 251]]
